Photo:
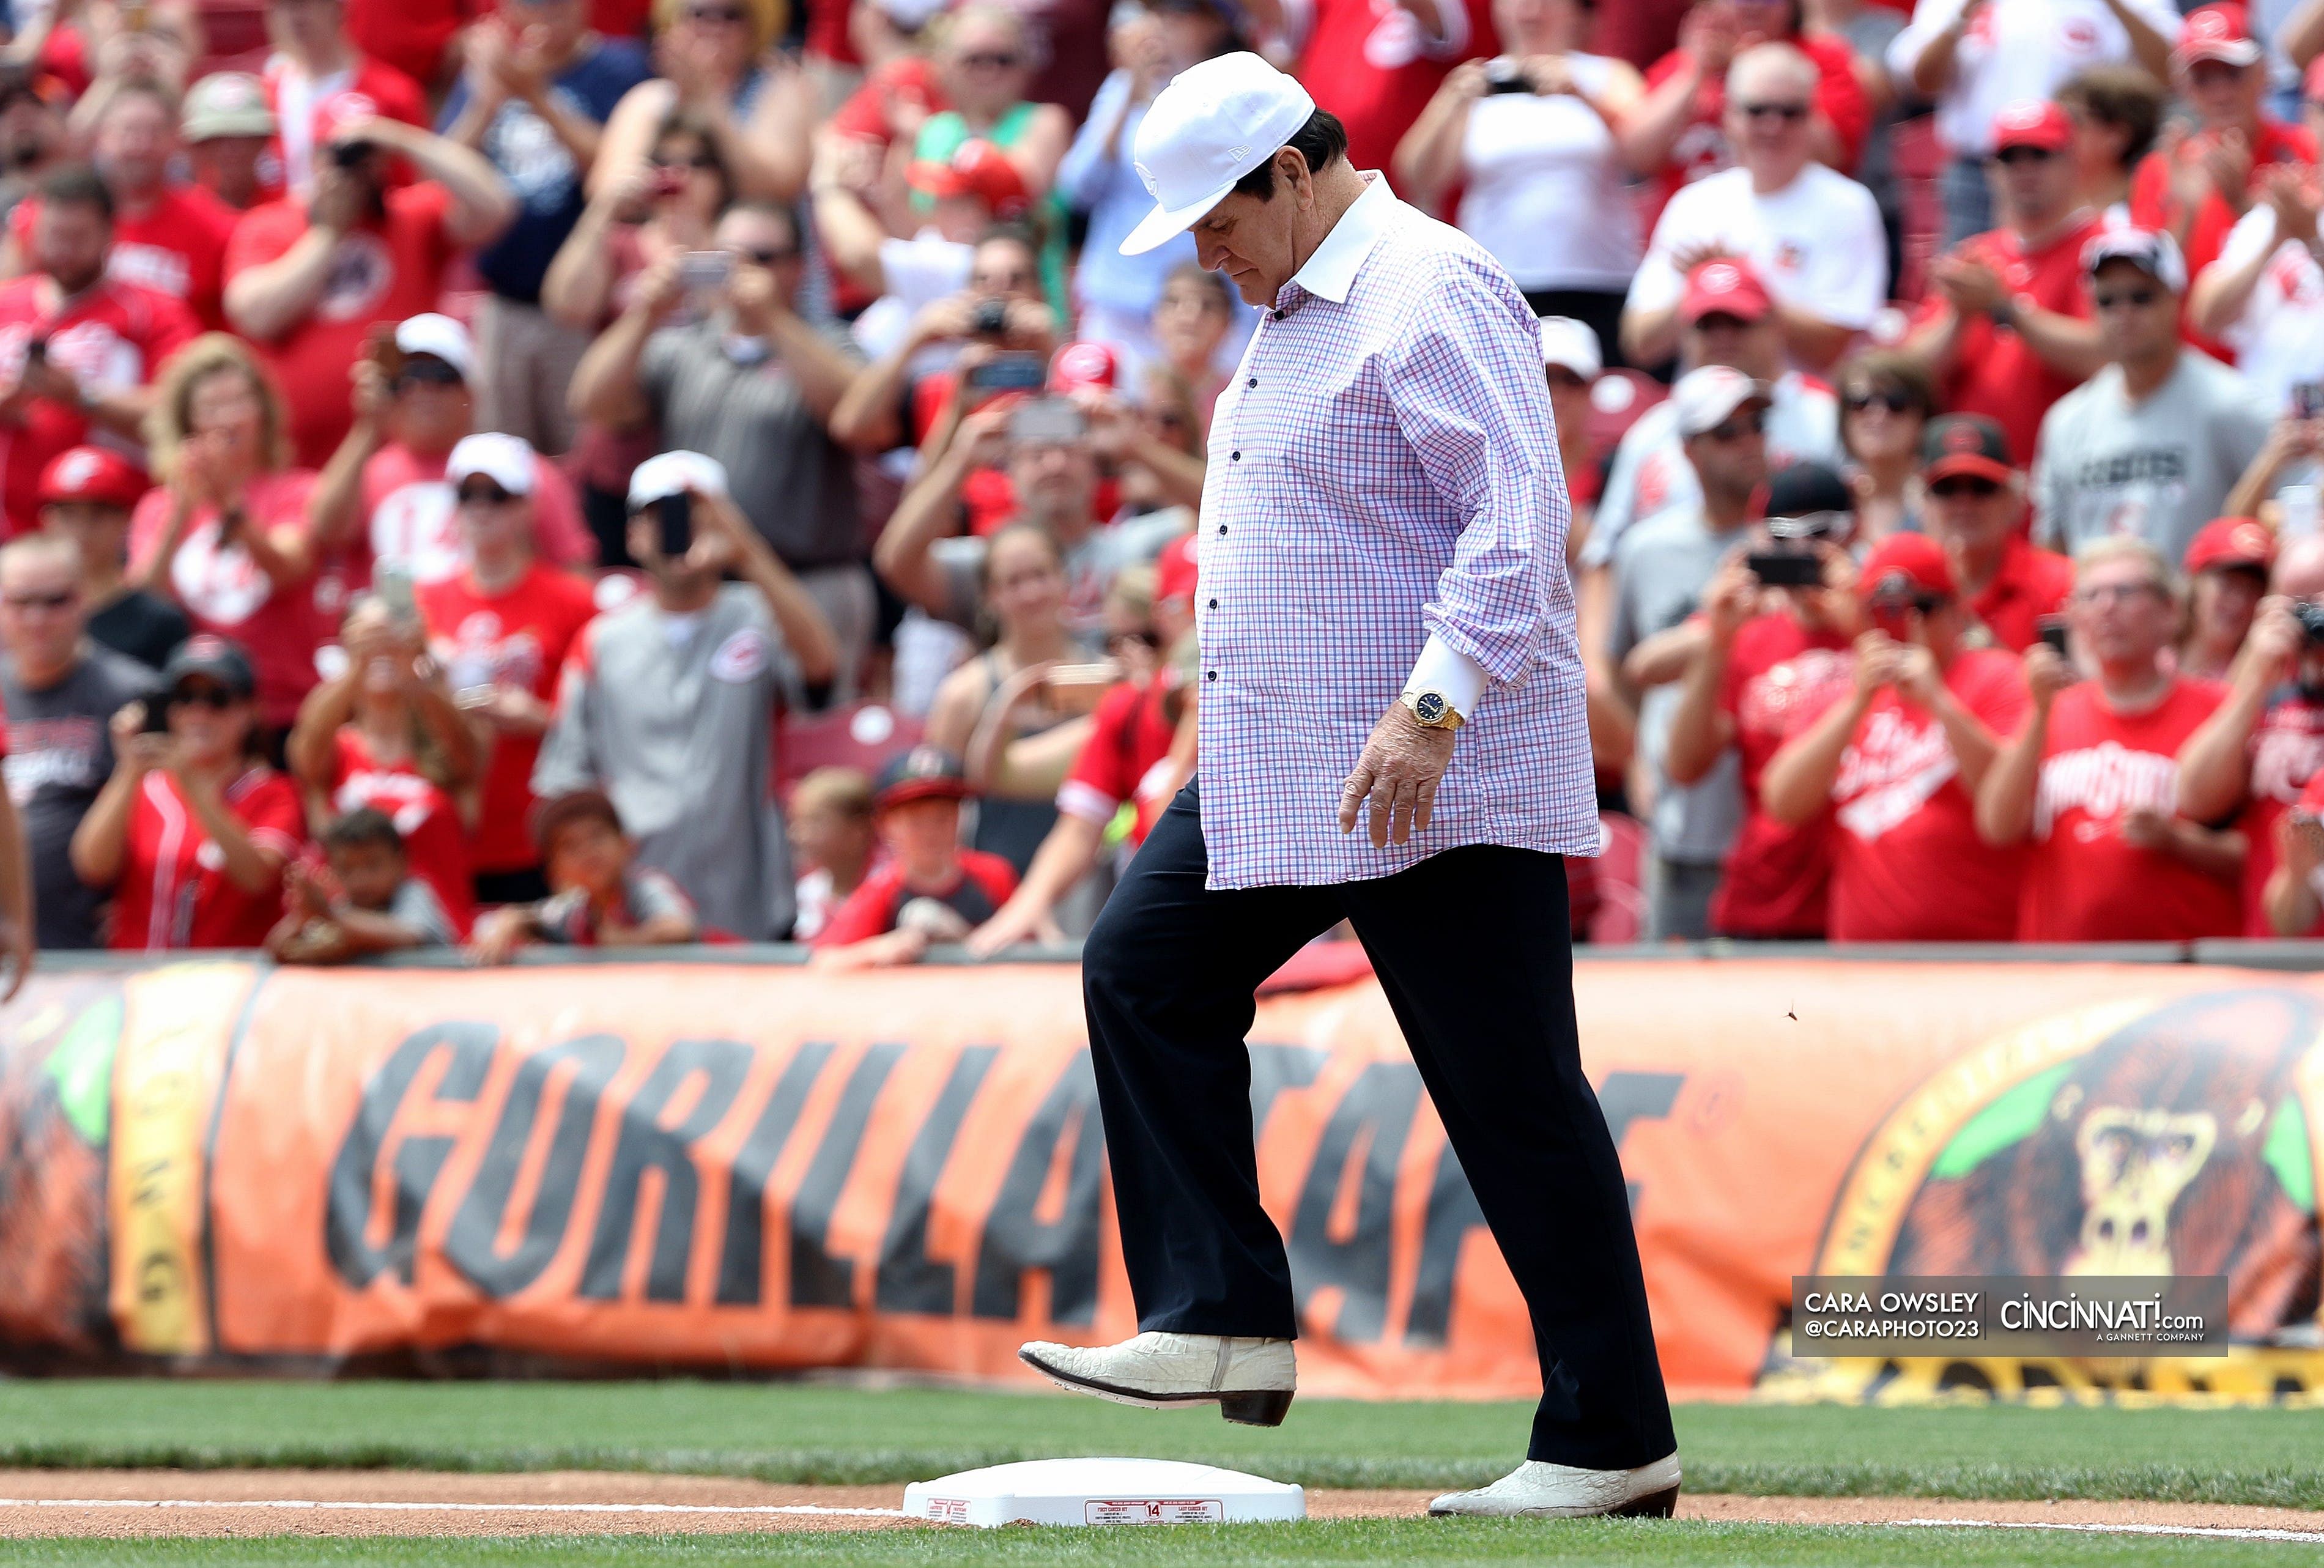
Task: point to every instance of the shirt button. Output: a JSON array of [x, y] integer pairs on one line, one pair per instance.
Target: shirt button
[[1253, 382], [1213, 605], [1212, 675], [1234, 457], [1222, 528]]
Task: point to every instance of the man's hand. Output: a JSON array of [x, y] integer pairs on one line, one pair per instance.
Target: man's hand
[[1402, 765], [1917, 675], [1974, 288], [2047, 673], [1877, 658], [2227, 158], [2290, 192], [2147, 827], [1708, 35]]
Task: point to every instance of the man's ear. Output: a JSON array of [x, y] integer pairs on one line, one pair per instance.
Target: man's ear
[[1291, 167]]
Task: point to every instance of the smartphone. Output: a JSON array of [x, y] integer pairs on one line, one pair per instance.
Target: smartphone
[[2052, 630], [350, 155], [705, 269], [1504, 75], [673, 515], [382, 352], [1785, 569], [157, 715], [391, 581], [1007, 373], [2308, 399], [36, 352], [1076, 688], [1048, 419]]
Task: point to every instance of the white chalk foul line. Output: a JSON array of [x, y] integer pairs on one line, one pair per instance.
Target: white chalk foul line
[[2219, 1531], [423, 1508]]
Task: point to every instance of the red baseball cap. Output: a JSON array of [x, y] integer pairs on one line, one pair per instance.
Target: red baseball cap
[[1725, 288], [93, 475], [1174, 570], [1081, 366], [2232, 542], [2033, 123], [339, 112], [1903, 565], [2220, 32], [977, 170]]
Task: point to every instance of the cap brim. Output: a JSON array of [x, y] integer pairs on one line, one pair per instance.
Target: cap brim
[[2240, 52], [913, 789], [1753, 393], [1164, 224], [1974, 462]]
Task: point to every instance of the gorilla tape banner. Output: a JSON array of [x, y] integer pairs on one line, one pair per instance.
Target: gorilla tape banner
[[708, 1166]]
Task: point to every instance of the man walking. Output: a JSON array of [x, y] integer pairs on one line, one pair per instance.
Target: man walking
[[1384, 511]]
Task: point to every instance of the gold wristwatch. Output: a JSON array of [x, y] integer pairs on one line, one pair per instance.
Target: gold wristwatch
[[1433, 711]]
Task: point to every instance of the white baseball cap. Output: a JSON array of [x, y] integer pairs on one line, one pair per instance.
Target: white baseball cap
[[1705, 397], [440, 336], [2151, 251], [1572, 344], [506, 460], [1214, 122], [673, 473]]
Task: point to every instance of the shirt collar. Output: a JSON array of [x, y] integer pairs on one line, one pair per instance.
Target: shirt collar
[[1330, 271]]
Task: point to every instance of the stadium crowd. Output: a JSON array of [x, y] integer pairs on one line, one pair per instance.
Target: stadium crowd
[[498, 472]]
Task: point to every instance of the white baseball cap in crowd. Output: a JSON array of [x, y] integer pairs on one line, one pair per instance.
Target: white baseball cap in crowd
[[1214, 122], [673, 473], [1572, 344], [226, 103], [2151, 251], [1706, 396], [441, 338], [506, 460]]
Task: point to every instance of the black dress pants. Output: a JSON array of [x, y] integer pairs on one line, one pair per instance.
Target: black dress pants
[[1473, 950]]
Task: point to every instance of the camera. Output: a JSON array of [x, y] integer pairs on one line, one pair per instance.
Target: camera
[[1785, 569], [990, 318], [2311, 616], [1504, 75], [2052, 630], [350, 155], [2308, 399], [1008, 373]]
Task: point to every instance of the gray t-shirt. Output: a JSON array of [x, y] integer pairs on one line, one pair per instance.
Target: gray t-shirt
[[791, 480], [673, 716], [1090, 566], [416, 908], [2160, 469], [60, 755], [1661, 566]]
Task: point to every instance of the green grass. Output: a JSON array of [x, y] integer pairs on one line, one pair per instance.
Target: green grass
[[829, 1432], [1570, 1543]]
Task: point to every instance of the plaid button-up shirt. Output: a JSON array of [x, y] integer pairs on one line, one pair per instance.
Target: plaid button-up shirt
[[1384, 476]]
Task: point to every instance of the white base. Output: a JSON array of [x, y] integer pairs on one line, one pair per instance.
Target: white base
[[1103, 1492]]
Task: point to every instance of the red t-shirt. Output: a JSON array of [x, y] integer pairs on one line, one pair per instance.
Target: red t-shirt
[[978, 888], [517, 637], [173, 891], [111, 338], [176, 247], [1365, 60], [1778, 879], [1994, 372], [1122, 759], [435, 843], [2084, 882], [383, 273], [2287, 752], [222, 591], [1702, 147], [412, 38], [1907, 863], [2153, 207], [2030, 584]]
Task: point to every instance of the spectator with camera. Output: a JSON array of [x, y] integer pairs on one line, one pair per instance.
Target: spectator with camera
[[929, 888], [669, 704], [752, 386], [2006, 331], [1778, 621], [315, 60], [862, 234], [2153, 444], [307, 279], [2227, 574], [1812, 235], [535, 90], [2254, 756], [1973, 500], [500, 629], [716, 63], [2092, 779], [602, 896], [61, 691], [87, 496], [370, 903], [79, 350], [1660, 571], [1530, 138], [1897, 756], [191, 831]]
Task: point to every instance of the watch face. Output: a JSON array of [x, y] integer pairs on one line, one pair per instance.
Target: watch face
[[1429, 707]]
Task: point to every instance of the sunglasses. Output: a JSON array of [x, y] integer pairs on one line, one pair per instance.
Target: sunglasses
[[2024, 155], [428, 373], [484, 495], [1790, 114], [2128, 299], [766, 258], [1751, 424], [727, 15], [991, 61], [57, 601], [215, 698], [1949, 489], [1896, 401]]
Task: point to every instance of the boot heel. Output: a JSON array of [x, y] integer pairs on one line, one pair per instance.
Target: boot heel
[[1264, 1408], [1658, 1504]]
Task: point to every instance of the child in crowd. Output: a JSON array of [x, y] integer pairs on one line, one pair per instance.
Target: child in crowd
[[831, 843], [929, 889], [378, 905], [600, 896]]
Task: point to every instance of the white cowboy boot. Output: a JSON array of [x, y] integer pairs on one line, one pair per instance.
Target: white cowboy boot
[[1539, 1489], [1250, 1379]]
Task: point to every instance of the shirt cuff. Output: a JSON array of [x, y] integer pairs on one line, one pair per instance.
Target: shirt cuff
[[1443, 668]]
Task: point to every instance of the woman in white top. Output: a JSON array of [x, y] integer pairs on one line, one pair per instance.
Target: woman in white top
[[1530, 138]]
